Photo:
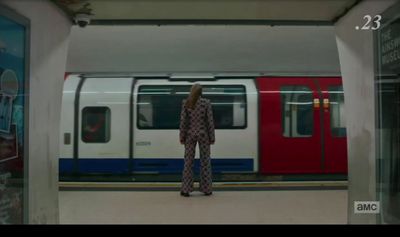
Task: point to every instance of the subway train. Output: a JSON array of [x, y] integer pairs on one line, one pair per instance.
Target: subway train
[[265, 125]]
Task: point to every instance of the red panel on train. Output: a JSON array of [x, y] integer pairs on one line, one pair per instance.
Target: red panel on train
[[295, 126]]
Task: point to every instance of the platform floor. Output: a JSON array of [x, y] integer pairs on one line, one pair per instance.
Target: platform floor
[[224, 207]]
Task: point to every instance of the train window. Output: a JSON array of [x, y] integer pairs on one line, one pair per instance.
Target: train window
[[229, 105], [96, 124], [159, 107], [336, 98], [297, 111]]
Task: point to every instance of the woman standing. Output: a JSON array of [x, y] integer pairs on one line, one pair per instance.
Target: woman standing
[[196, 126]]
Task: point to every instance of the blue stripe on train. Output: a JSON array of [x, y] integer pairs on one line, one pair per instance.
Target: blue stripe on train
[[118, 166]]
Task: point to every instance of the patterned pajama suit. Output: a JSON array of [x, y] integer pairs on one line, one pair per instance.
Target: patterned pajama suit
[[197, 125]]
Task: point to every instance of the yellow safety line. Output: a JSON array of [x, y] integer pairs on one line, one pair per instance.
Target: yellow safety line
[[215, 184]]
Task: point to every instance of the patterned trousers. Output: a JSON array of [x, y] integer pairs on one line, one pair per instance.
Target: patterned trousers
[[205, 165]]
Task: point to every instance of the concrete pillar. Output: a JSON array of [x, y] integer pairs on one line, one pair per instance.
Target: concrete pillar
[[356, 54], [50, 29]]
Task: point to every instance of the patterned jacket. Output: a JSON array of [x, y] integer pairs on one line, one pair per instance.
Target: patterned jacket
[[197, 121]]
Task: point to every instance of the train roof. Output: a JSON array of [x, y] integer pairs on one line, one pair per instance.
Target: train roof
[[194, 76]]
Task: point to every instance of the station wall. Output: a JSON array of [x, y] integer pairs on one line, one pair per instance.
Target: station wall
[[275, 50]]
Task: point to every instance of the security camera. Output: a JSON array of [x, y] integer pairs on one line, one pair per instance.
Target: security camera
[[82, 19]]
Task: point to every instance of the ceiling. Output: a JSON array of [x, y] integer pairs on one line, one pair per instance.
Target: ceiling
[[290, 12]]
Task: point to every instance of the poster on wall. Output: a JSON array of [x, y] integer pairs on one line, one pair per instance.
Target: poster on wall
[[12, 102]]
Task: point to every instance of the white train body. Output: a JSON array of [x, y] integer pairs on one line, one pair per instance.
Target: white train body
[[137, 118]]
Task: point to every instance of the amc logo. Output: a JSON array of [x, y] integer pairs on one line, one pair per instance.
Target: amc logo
[[366, 207]]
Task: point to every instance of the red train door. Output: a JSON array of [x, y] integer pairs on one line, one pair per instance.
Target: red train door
[[302, 126], [290, 126], [334, 138]]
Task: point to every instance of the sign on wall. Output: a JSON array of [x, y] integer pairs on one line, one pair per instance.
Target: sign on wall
[[390, 47], [12, 118]]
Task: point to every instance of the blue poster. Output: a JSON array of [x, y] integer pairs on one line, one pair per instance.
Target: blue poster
[[12, 97]]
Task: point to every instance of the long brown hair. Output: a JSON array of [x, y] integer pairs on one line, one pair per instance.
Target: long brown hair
[[195, 93]]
